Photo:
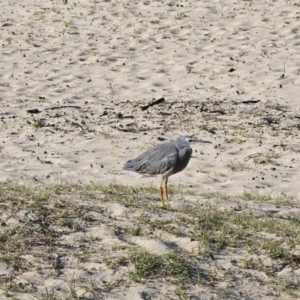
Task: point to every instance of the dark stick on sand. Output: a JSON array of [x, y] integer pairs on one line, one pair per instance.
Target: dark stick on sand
[[155, 102]]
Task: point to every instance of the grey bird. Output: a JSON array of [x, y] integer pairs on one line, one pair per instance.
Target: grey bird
[[166, 159]]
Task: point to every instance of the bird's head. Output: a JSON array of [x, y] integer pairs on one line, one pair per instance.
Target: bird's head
[[187, 138]]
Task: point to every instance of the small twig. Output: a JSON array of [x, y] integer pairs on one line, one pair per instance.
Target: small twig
[[222, 112], [64, 106], [121, 116], [148, 129], [77, 125], [164, 113], [33, 111], [250, 101], [105, 113], [251, 156], [50, 130], [153, 103], [45, 161]]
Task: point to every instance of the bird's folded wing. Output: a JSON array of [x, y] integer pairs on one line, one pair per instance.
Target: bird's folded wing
[[157, 160]]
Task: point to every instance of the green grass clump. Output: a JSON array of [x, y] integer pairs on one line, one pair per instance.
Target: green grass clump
[[145, 264]]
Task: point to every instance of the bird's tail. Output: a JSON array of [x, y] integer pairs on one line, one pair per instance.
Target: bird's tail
[[129, 166]]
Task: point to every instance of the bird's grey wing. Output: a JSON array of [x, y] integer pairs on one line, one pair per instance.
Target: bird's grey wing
[[159, 166], [157, 160], [168, 163]]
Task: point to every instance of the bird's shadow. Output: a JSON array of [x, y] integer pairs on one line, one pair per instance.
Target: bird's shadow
[[171, 245]]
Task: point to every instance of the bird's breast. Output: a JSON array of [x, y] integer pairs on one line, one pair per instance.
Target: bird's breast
[[184, 156]]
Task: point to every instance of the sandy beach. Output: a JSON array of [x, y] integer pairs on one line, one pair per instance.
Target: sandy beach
[[74, 76]]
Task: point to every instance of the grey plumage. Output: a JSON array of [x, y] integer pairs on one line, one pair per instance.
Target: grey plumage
[[165, 159]]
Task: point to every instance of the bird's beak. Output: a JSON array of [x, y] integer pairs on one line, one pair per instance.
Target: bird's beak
[[195, 140]]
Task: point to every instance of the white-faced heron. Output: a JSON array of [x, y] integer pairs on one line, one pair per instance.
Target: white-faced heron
[[165, 159]]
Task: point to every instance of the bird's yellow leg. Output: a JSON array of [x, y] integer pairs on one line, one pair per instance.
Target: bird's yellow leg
[[161, 192], [166, 190]]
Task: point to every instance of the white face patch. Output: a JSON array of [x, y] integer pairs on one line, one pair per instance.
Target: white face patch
[[189, 139]]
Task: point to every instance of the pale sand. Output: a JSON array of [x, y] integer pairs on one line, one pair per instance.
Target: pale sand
[[109, 57]]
